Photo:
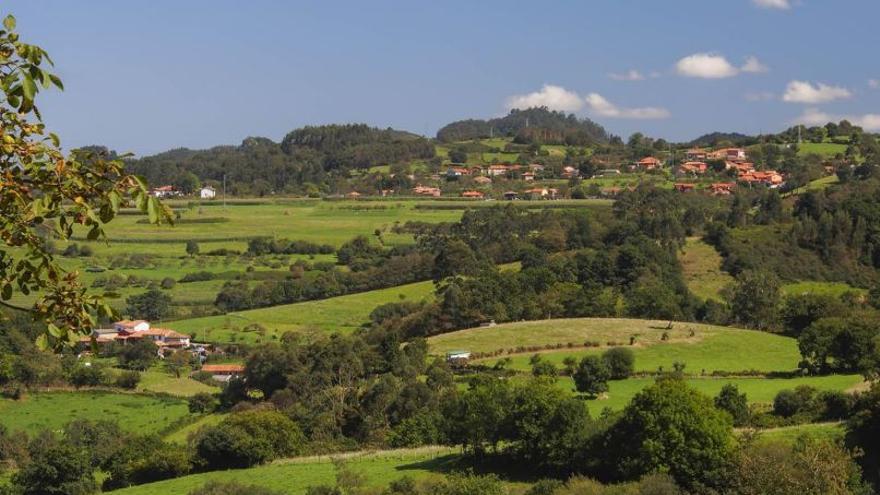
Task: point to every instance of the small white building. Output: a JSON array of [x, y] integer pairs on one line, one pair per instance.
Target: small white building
[[131, 326], [207, 192]]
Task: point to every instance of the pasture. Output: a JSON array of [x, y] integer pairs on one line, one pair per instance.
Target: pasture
[[343, 314], [294, 476], [701, 347], [52, 410], [701, 265]]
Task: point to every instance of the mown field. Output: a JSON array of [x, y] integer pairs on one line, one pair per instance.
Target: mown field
[[342, 314], [294, 476], [703, 349], [52, 410]]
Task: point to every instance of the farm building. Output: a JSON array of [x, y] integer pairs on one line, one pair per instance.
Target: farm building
[[130, 326], [696, 154], [207, 192], [223, 372], [458, 358], [426, 191], [164, 192]]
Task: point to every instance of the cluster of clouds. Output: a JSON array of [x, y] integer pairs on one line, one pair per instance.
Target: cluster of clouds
[[558, 98], [715, 66], [706, 65]]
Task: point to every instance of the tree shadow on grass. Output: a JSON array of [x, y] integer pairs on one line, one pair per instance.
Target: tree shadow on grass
[[498, 464]]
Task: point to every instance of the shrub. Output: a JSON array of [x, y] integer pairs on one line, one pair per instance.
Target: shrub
[[620, 362], [128, 379], [247, 438], [85, 375], [167, 283], [202, 402]]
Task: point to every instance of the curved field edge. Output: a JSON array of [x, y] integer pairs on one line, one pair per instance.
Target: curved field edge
[[703, 348]]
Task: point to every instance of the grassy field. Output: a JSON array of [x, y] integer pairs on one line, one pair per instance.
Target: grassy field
[[180, 436], [711, 348], [825, 149], [757, 390], [294, 476], [702, 269], [135, 412], [789, 434], [829, 288], [343, 314], [157, 380]]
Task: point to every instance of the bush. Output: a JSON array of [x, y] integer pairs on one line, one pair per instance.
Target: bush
[[620, 362], [167, 283], [787, 403], [197, 277], [88, 375], [248, 438], [128, 379], [202, 402]]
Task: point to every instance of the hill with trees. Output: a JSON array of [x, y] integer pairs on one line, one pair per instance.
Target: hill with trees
[[533, 125]]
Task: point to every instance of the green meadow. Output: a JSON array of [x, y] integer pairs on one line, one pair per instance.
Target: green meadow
[[343, 314], [294, 476], [701, 265], [52, 410]]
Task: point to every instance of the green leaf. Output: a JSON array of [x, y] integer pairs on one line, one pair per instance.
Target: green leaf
[[43, 342], [153, 209], [54, 330], [115, 199], [94, 233], [9, 23], [56, 81], [6, 292], [28, 87]]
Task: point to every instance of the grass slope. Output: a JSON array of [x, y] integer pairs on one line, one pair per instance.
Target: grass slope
[[294, 476], [702, 269], [343, 314], [710, 348], [135, 412]]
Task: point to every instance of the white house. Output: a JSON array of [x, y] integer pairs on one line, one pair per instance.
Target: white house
[[207, 192]]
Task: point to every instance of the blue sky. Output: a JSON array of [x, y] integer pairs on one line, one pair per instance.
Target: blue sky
[[145, 76]]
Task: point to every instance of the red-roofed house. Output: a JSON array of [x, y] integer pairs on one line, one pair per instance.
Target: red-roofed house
[[223, 372], [722, 188], [496, 170], [696, 154], [472, 194], [649, 163], [693, 167]]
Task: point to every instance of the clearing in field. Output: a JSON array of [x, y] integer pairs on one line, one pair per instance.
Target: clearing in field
[[701, 264]]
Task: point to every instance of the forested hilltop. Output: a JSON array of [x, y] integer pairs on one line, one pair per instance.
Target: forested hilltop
[[532, 125], [310, 155]]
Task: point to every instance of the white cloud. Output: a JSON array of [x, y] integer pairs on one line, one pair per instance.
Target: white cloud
[[804, 92], [550, 96], [760, 96], [874, 83], [773, 4], [813, 116], [630, 75], [706, 66], [754, 65], [602, 107]]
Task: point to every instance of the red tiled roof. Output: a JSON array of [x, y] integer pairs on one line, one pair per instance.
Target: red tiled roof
[[223, 368]]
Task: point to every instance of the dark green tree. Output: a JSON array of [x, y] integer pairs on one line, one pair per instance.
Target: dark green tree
[[592, 375], [151, 305]]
